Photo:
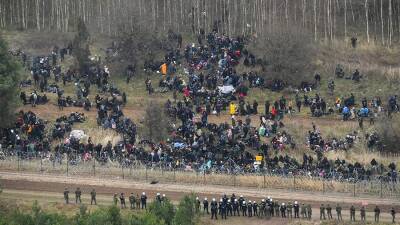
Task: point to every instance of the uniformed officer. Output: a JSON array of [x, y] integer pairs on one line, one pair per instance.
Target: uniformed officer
[[262, 208], [214, 209], [277, 208], [198, 204], [66, 196], [122, 200], [115, 199], [362, 213], [322, 212], [223, 209], [377, 213], [393, 213], [137, 201], [93, 197], [339, 212], [143, 200], [296, 208], [244, 208], [352, 213], [329, 211], [241, 199], [158, 197], [283, 210], [249, 209], [236, 208], [309, 211], [289, 210], [303, 211], [205, 206], [132, 200], [78, 194], [229, 207], [255, 208]]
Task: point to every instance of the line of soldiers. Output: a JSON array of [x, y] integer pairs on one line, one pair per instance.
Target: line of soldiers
[[240, 206], [243, 207]]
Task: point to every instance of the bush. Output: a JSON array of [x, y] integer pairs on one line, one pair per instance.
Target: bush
[[163, 211], [186, 213], [388, 130], [155, 122]]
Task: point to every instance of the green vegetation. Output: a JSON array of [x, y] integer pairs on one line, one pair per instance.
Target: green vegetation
[[80, 46], [9, 80], [158, 213]]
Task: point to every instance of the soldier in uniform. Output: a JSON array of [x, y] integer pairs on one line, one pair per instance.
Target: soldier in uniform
[[205, 206], [249, 209], [241, 199], [303, 211], [158, 198], [229, 207], [377, 213], [198, 204], [277, 208], [143, 200], [329, 211], [236, 207], [66, 196], [132, 200], [115, 199], [296, 208], [393, 213], [309, 211], [255, 208], [223, 209], [322, 212], [137, 201], [244, 208], [362, 213], [289, 210], [214, 208], [78, 194], [122, 200], [352, 213], [339, 212], [283, 210], [262, 208], [93, 197]]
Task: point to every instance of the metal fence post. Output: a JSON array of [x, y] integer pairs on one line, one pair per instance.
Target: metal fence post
[[41, 163], [294, 182], [18, 161], [123, 174], [264, 180], [174, 176], [67, 163], [381, 189], [354, 189], [323, 186], [94, 166], [146, 171], [204, 177]]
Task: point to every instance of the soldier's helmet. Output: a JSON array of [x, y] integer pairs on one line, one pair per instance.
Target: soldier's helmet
[[163, 195], [205, 199], [235, 200], [143, 193], [197, 198], [158, 194], [262, 200], [283, 203], [295, 202], [254, 201], [213, 199], [229, 200]]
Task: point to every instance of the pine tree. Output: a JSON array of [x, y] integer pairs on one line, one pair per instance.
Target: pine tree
[[80, 47], [10, 77]]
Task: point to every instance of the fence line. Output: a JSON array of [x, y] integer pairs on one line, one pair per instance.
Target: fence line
[[170, 175]]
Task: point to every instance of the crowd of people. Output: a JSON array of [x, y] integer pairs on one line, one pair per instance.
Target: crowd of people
[[236, 206], [212, 86]]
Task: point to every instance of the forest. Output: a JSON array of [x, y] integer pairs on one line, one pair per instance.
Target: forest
[[375, 21]]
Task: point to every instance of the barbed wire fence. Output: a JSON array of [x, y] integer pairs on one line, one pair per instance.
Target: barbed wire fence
[[73, 165]]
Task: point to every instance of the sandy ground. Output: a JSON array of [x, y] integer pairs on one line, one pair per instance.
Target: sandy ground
[[50, 187]]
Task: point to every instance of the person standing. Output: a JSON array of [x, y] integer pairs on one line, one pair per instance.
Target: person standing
[[78, 194], [393, 213], [352, 213], [122, 200], [143, 200], [339, 212], [214, 209], [115, 199], [289, 210], [205, 206], [132, 200], [309, 211], [296, 209], [377, 211], [303, 211], [93, 197], [322, 212], [236, 207], [362, 213], [66, 196], [329, 211]]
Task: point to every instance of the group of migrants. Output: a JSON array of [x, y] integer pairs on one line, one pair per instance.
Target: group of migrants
[[195, 143]]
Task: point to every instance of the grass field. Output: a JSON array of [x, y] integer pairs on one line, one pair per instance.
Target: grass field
[[380, 66]]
